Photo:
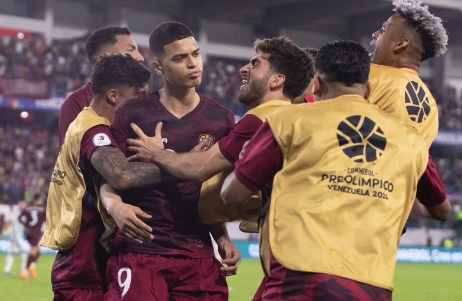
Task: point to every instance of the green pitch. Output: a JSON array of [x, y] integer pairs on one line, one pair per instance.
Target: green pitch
[[413, 282]]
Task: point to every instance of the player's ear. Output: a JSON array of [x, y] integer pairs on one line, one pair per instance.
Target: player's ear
[[157, 67], [277, 80], [402, 45], [317, 88], [111, 97]]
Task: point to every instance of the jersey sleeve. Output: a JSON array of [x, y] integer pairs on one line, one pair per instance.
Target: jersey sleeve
[[261, 161], [231, 145], [430, 188], [95, 137]]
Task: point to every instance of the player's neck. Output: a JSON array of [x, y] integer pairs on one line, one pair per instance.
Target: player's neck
[[102, 109], [407, 62], [273, 96], [179, 101]]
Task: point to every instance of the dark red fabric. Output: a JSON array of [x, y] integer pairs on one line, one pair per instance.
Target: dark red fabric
[[157, 277], [430, 189], [290, 285], [78, 295], [84, 265], [262, 160], [71, 107], [87, 148], [261, 290], [231, 145], [309, 99], [33, 218], [173, 206]]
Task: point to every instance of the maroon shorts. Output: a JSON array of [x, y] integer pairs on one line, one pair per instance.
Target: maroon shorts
[[261, 289], [289, 285], [34, 238], [133, 276], [78, 295]]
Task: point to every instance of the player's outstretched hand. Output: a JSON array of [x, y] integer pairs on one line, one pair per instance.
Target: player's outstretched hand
[[127, 218], [145, 147], [231, 257]]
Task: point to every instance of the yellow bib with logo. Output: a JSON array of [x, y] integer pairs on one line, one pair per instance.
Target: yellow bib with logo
[[212, 209], [348, 182], [67, 187], [402, 93]]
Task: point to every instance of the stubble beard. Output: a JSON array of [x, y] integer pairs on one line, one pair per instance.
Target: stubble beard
[[254, 92]]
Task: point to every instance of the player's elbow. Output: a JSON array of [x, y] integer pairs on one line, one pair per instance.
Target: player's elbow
[[227, 197], [441, 212]]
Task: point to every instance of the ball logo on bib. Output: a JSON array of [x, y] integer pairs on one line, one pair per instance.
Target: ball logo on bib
[[361, 139]]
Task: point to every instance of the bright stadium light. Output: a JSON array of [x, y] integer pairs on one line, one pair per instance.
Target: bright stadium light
[[24, 114], [20, 35]]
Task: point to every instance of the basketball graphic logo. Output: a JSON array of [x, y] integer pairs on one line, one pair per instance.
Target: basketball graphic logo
[[417, 103], [361, 139]]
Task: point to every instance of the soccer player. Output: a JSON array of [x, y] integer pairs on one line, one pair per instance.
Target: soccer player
[[279, 72], [108, 40], [405, 40], [18, 244], [345, 176], [33, 218], [307, 95], [74, 225], [179, 263]]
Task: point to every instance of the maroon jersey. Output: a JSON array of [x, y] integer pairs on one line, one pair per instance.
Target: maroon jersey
[[71, 107], [231, 145], [84, 265], [33, 218], [173, 206]]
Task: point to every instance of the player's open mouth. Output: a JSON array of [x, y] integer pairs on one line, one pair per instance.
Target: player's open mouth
[[244, 82]]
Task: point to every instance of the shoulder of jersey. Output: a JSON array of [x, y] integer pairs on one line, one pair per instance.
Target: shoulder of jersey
[[212, 102]]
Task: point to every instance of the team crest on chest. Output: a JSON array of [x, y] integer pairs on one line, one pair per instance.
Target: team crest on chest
[[209, 141]]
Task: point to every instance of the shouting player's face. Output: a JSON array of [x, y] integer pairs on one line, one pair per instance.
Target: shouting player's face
[[181, 65], [255, 77], [126, 45], [386, 40]]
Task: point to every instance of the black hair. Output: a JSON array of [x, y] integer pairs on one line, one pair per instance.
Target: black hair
[[37, 196], [116, 70], [166, 33], [344, 61], [313, 52], [287, 58], [100, 39]]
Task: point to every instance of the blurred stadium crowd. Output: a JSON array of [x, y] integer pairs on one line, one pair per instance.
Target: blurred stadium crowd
[[27, 156]]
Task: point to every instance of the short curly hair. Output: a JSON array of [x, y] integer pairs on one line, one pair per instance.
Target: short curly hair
[[287, 58], [117, 70], [429, 27], [343, 61]]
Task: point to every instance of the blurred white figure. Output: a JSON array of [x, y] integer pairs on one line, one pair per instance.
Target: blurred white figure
[[18, 244]]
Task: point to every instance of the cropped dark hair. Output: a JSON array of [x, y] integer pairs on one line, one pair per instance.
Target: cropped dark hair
[[287, 58], [344, 61], [116, 70], [166, 33], [100, 39]]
